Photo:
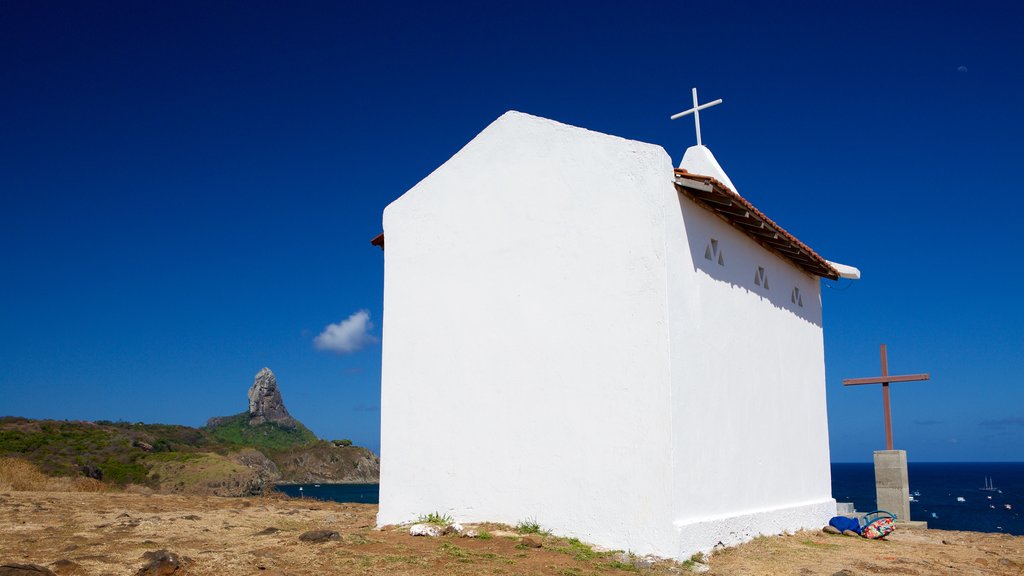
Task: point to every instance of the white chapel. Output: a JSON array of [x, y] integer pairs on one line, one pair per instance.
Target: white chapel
[[578, 333]]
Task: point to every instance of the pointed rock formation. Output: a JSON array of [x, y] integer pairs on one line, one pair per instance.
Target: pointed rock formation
[[265, 402]]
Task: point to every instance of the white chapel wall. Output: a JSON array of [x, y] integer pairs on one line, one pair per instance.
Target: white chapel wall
[[748, 395], [525, 337]]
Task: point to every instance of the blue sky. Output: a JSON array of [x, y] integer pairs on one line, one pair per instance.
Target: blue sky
[[188, 190]]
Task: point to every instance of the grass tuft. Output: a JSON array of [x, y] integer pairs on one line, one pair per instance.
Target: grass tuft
[[436, 518], [530, 526]]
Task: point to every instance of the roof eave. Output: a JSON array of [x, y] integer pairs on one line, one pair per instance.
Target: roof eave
[[739, 213]]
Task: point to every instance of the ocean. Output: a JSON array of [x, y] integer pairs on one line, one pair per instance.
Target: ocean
[[360, 493], [939, 485]]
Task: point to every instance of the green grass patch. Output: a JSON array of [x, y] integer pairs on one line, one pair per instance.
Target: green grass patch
[[453, 550], [578, 550], [123, 473], [624, 566]]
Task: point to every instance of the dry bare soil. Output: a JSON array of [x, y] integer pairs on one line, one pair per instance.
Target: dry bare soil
[[108, 533]]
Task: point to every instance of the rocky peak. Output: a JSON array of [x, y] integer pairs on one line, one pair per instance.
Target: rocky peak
[[265, 402]]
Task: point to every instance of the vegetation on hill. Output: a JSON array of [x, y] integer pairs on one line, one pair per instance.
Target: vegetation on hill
[[236, 431], [228, 457]]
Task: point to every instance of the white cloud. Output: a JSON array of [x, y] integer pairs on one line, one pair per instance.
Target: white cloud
[[347, 336]]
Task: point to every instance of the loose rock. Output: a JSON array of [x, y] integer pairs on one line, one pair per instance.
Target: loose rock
[[319, 536], [531, 542], [470, 534], [850, 533], [455, 528], [161, 563], [831, 530], [267, 531], [430, 530]]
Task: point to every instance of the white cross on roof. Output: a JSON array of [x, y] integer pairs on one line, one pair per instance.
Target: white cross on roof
[[696, 112]]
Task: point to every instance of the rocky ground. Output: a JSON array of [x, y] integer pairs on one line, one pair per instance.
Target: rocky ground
[[125, 534]]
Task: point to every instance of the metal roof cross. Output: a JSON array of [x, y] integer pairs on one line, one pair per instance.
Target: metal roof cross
[[696, 112], [885, 379]]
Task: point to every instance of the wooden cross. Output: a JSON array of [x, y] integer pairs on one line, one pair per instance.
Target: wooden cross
[[696, 112], [885, 379]]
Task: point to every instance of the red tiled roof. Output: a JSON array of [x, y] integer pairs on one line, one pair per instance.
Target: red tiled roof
[[742, 215]]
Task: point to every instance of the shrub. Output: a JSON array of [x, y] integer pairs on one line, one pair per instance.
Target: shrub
[[342, 442]]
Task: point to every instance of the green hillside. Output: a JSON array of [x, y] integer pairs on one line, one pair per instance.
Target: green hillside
[[229, 456], [112, 450], [236, 431]]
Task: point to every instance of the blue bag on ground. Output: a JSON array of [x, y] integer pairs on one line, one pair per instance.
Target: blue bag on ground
[[842, 523]]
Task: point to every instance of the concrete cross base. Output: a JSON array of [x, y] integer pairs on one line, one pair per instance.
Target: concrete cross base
[[892, 487]]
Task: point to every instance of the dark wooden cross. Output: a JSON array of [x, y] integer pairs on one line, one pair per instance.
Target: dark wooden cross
[[885, 379]]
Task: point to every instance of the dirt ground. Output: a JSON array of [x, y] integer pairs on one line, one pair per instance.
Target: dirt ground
[[109, 533]]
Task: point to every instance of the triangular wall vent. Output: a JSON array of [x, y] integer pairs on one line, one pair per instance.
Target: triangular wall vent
[[712, 253]]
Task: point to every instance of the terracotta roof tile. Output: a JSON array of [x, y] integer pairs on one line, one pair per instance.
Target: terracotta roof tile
[[711, 194]]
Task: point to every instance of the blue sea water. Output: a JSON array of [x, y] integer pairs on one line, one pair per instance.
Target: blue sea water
[[939, 485], [360, 493]]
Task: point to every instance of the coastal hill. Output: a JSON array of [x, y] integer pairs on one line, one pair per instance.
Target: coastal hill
[[234, 455]]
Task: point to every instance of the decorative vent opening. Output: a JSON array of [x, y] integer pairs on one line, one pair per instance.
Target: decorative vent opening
[[761, 277], [797, 298], [713, 253]]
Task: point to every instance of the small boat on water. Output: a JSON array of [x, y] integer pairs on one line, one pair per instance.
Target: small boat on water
[[989, 487], [934, 515], [1008, 507], [961, 499], [917, 493]]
